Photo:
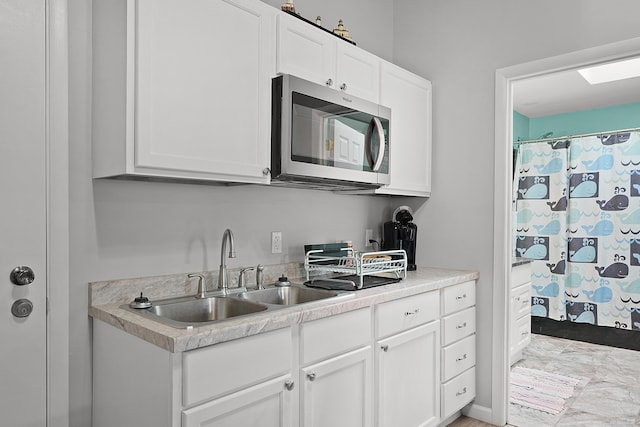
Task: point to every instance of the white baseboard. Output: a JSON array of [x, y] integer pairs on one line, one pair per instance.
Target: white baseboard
[[478, 412]]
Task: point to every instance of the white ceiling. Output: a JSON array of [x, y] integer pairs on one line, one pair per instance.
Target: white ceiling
[[567, 91]]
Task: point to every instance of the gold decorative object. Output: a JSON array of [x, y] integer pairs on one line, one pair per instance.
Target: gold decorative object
[[342, 31], [288, 6]]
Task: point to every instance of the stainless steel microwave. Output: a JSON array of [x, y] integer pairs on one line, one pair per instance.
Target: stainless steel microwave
[[326, 138]]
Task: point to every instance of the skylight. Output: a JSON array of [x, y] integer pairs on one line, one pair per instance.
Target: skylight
[[611, 72]]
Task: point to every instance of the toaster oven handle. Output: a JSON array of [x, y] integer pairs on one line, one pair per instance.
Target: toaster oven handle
[[375, 125]]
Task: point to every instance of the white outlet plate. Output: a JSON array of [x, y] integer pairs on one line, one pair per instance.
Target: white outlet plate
[[276, 242], [368, 235]]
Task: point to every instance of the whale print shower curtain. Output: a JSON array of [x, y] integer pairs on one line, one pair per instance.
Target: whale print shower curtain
[[577, 217]]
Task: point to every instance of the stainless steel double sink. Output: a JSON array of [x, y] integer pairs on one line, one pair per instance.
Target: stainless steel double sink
[[189, 311]]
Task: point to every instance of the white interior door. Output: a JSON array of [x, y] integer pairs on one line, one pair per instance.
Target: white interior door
[[348, 144], [23, 214]]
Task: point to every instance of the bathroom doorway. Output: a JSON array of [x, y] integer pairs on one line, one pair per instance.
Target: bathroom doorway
[[507, 82]]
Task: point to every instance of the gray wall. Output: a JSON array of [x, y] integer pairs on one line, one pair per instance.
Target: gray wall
[[131, 229], [458, 45]]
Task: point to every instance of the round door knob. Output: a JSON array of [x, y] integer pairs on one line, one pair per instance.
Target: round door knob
[[311, 376], [22, 276], [289, 385], [329, 82], [22, 308], [343, 86]]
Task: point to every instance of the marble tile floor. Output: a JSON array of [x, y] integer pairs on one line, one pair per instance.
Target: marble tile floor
[[607, 395]]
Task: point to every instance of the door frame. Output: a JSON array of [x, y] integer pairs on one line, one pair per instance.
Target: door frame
[[57, 193], [502, 248]]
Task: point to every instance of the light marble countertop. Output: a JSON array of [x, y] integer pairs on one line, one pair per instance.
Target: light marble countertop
[[180, 339]]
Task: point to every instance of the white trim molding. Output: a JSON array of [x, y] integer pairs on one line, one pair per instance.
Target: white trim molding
[[57, 138]]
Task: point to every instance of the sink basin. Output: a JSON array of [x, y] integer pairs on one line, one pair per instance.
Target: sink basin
[[194, 311], [287, 295]]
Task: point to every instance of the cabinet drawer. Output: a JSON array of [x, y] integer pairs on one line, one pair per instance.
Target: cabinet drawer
[[458, 392], [458, 357], [405, 313], [224, 368], [455, 298], [333, 335], [521, 300], [520, 274], [458, 325], [522, 336]]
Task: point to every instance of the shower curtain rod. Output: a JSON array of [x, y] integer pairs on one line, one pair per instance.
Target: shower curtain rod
[[610, 132]]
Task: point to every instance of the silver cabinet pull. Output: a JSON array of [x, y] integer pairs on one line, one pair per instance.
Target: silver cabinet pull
[[289, 385], [311, 376], [463, 357], [329, 82], [384, 348], [460, 297], [464, 325], [460, 393], [411, 313], [343, 86]]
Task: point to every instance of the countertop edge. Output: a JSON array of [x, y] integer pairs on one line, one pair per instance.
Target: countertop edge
[[179, 340]]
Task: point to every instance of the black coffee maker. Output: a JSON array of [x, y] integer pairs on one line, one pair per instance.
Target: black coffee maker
[[400, 233]]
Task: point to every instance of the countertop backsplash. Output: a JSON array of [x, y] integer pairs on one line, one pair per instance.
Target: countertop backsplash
[[174, 285]]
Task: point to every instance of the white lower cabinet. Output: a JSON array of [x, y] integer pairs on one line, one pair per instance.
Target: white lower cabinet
[[394, 364], [458, 347], [520, 308], [266, 405], [337, 391], [408, 378]]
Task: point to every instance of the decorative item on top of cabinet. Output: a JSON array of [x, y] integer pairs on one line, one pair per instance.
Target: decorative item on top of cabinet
[[342, 31], [163, 109], [288, 6]]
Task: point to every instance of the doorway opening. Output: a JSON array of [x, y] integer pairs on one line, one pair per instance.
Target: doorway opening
[[507, 80]]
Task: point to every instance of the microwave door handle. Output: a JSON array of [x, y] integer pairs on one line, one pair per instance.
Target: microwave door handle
[[377, 124]]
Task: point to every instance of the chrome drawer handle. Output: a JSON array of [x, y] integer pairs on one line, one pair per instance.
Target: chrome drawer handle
[[524, 333], [411, 313], [311, 376], [464, 325], [460, 359], [460, 297], [460, 393], [329, 82]]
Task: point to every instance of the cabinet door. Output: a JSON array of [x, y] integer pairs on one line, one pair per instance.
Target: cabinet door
[[203, 87], [337, 392], [358, 72], [306, 52], [409, 98], [266, 405], [408, 378]]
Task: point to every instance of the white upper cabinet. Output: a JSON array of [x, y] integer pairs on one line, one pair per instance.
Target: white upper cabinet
[[409, 97], [183, 90], [315, 55]]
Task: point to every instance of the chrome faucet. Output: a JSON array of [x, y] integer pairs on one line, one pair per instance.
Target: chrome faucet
[[223, 279], [259, 277]]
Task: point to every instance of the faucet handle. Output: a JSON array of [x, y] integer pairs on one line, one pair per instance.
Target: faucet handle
[[241, 277], [202, 287], [259, 276]]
